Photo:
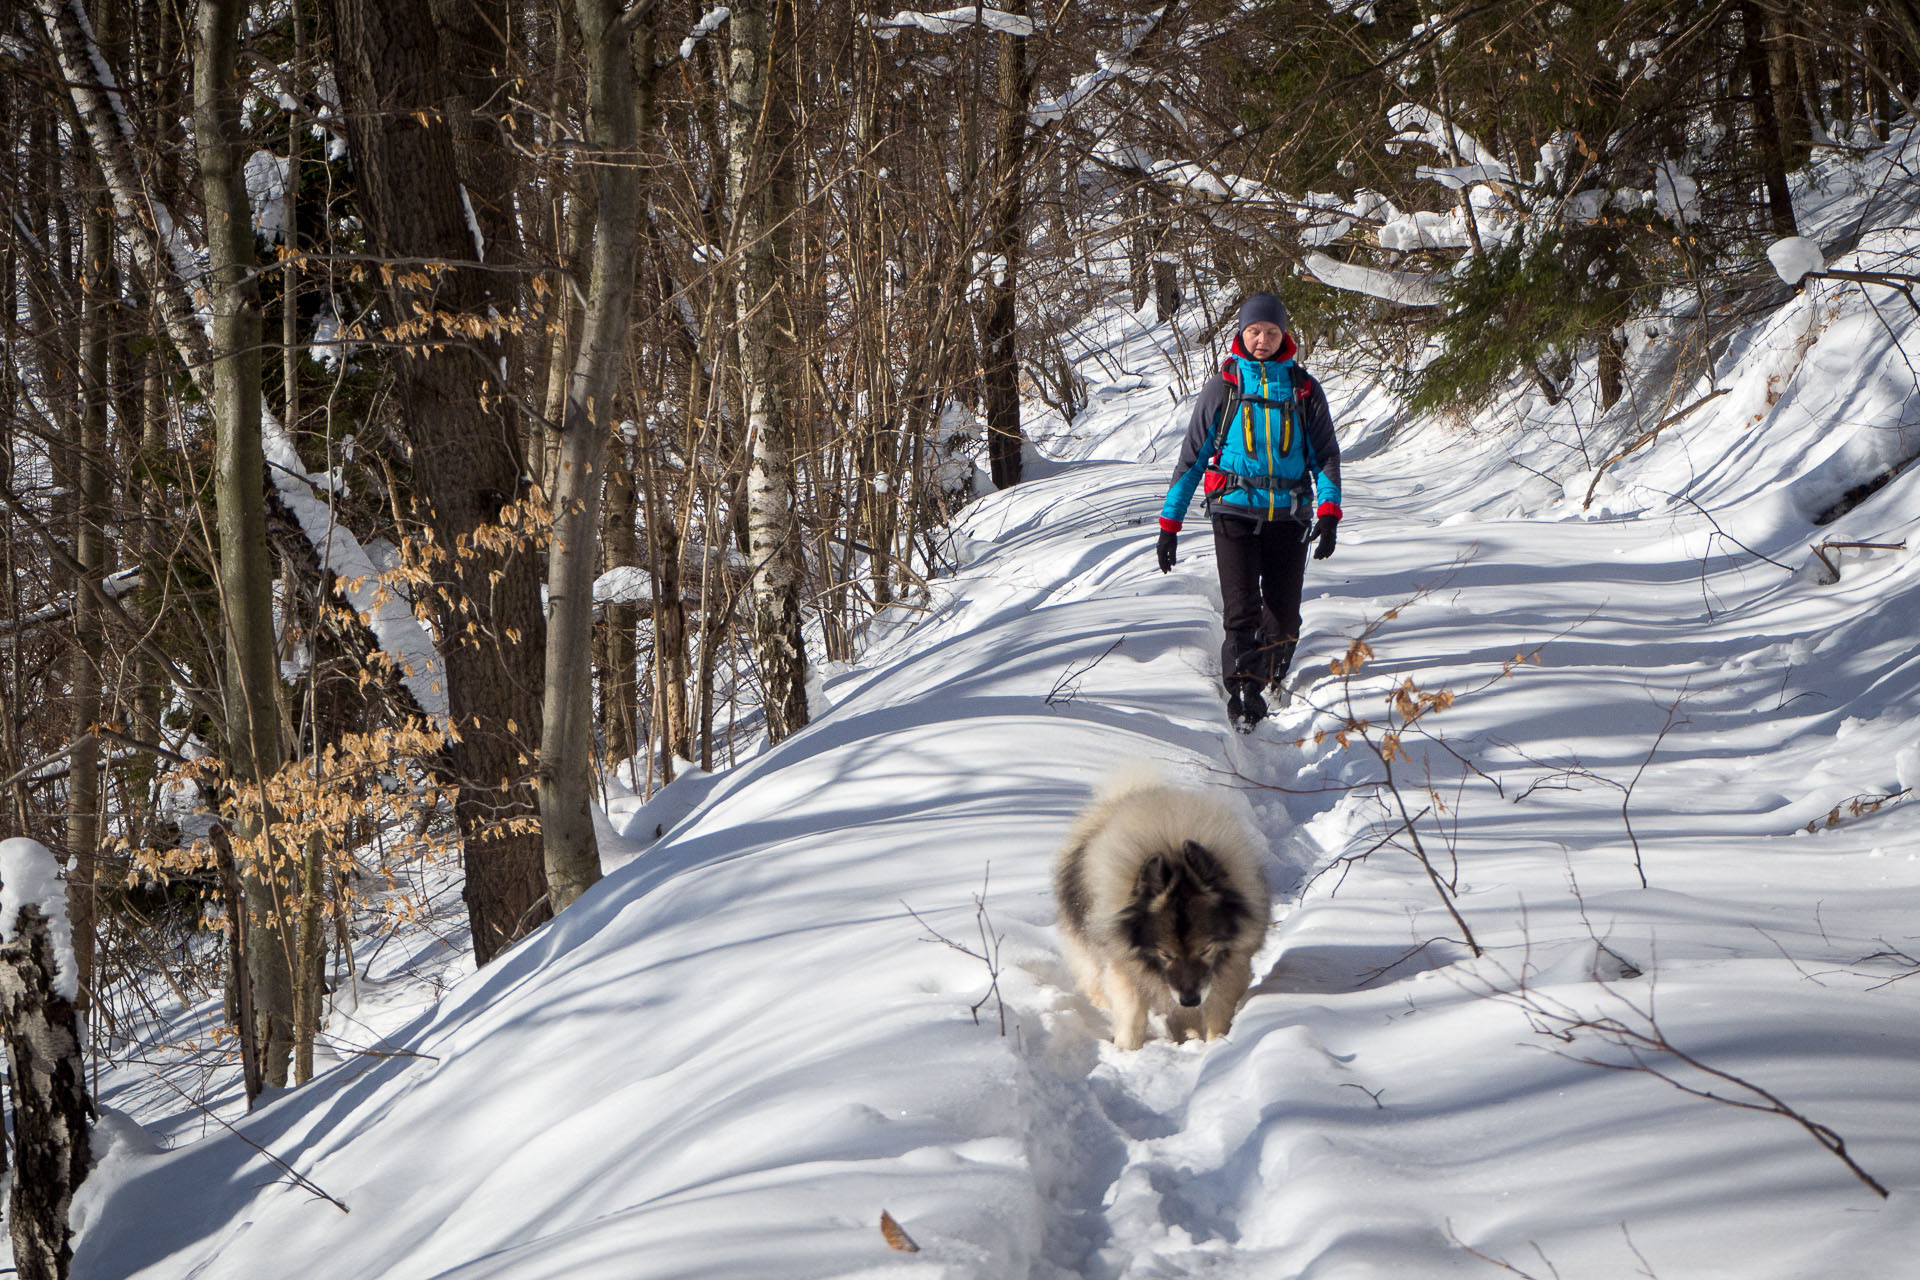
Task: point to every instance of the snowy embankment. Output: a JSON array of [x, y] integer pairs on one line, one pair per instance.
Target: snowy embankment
[[737, 1051]]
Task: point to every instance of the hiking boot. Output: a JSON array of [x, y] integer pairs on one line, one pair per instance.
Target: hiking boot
[[1245, 709]]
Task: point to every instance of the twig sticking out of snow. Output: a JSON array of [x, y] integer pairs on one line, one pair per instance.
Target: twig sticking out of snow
[[988, 954]]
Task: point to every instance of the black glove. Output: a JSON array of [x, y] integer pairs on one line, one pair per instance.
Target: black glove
[[1163, 552], [1326, 531]]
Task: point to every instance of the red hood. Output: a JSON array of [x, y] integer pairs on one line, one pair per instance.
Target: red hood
[[1231, 372]]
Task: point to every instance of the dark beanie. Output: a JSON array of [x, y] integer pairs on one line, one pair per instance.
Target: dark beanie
[[1264, 307]]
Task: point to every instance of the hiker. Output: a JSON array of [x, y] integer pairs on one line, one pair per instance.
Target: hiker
[[1261, 439]]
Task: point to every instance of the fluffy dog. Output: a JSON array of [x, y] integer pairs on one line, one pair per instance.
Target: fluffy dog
[[1162, 904]]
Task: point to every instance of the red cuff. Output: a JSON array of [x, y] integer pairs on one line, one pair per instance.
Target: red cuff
[[1327, 511], [1169, 526]]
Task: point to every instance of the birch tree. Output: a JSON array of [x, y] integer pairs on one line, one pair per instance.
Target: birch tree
[[773, 538], [51, 1109]]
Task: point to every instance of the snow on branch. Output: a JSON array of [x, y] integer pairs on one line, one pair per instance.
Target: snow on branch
[[1223, 188], [1423, 124], [707, 25], [948, 21], [1795, 257], [399, 633], [1408, 288], [1108, 67]]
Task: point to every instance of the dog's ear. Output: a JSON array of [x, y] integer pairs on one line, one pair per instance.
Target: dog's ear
[[1205, 869], [1156, 873]]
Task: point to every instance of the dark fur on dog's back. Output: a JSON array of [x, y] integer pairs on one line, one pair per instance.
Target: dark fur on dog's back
[[1162, 905]]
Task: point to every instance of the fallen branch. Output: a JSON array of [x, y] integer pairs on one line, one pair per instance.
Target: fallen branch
[[1067, 687], [1646, 438], [1821, 548], [300, 1179], [1639, 1035]]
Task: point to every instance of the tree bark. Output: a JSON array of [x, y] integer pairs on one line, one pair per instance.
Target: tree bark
[[51, 1110], [566, 725], [90, 549], [1767, 124], [620, 620], [1789, 97], [251, 693], [773, 539], [467, 455], [999, 327]]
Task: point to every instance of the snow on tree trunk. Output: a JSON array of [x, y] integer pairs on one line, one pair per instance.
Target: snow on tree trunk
[[39, 981]]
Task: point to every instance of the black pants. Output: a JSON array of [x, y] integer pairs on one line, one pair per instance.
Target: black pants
[[1262, 569]]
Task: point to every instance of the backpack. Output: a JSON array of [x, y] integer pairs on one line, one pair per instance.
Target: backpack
[[1282, 499]]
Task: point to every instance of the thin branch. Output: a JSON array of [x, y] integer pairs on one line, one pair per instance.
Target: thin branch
[[299, 1178]]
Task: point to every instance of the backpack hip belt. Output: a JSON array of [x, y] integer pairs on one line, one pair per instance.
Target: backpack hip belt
[[1292, 494]]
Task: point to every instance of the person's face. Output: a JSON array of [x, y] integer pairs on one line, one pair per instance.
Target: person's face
[[1262, 339]]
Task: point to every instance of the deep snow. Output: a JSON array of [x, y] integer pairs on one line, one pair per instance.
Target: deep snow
[[732, 1055]]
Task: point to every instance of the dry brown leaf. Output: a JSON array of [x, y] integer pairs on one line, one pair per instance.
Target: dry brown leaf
[[890, 1232]]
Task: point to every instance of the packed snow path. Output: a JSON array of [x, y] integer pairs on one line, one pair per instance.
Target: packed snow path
[[1375, 1111]]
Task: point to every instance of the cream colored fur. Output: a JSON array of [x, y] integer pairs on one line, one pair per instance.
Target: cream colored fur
[[1134, 817]]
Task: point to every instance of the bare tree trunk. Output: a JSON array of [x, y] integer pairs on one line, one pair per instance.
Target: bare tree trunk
[[773, 536], [566, 724], [246, 576], [51, 1109], [1789, 97], [309, 972], [1767, 123], [1005, 223], [1613, 369], [468, 456], [90, 549], [154, 231], [620, 620]]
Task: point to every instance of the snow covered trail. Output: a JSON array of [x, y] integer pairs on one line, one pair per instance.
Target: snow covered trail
[[747, 1042], [1390, 1105], [740, 1047]]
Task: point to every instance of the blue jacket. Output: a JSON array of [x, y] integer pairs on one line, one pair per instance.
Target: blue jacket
[[1277, 460]]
